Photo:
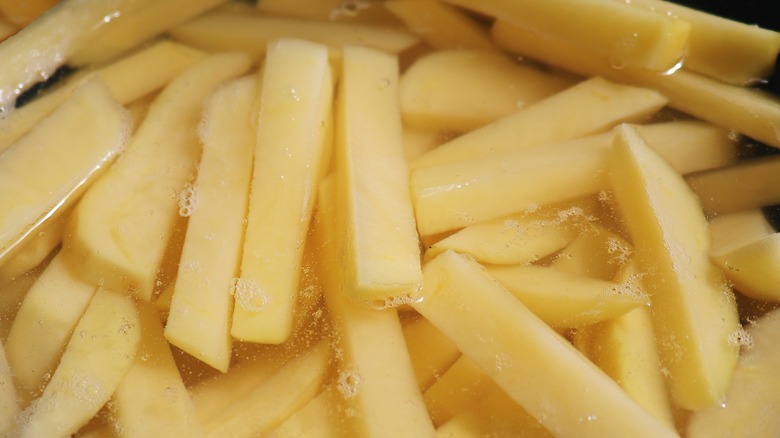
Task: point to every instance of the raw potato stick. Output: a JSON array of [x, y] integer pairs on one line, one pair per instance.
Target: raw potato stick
[[377, 231], [537, 368], [292, 151], [9, 405], [201, 306], [119, 232]]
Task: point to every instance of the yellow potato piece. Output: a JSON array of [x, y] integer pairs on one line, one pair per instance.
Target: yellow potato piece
[[95, 360], [375, 377], [564, 300], [591, 106], [743, 186], [525, 357], [201, 305], [726, 50], [9, 406], [23, 13], [118, 234], [47, 170], [380, 248], [292, 149], [631, 36], [462, 385], [321, 417], [596, 252], [129, 78], [138, 27], [747, 249], [430, 351], [693, 309], [251, 32], [44, 324], [440, 25], [151, 400], [40, 48], [746, 110], [369, 12], [34, 251], [438, 92], [522, 237]]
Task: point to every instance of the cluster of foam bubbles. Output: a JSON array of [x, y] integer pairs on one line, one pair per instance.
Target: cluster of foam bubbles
[[618, 250], [348, 383], [188, 200], [741, 338], [349, 8], [249, 295]]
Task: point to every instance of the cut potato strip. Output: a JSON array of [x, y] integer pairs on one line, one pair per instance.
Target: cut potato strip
[[440, 25], [726, 50], [35, 250], [276, 398], [39, 49], [48, 170], [368, 12], [495, 415], [693, 309], [430, 351], [119, 232], [128, 79], [151, 400], [747, 249], [525, 357], [292, 149], [375, 376], [438, 92], [566, 300], [591, 106], [12, 294], [9, 406], [597, 252], [319, 418], [138, 27], [201, 305], [44, 324], [99, 353], [462, 193], [744, 186], [250, 33], [748, 111], [522, 237], [463, 385], [629, 36], [380, 248]]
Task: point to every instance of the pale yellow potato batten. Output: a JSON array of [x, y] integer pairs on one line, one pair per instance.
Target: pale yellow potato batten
[[9, 405], [202, 305], [538, 369], [292, 150], [627, 35], [118, 234], [589, 107], [320, 418], [95, 360], [44, 324], [380, 248], [152, 400], [430, 351], [47, 170], [35, 250], [693, 309], [461, 386]]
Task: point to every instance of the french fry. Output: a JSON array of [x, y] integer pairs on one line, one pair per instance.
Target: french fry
[[291, 154], [151, 398], [440, 25], [566, 300], [119, 231], [43, 325], [319, 418], [12, 294], [596, 252], [250, 33], [744, 186], [437, 90], [430, 351], [693, 309], [747, 249], [128, 79], [139, 27], [726, 50], [35, 251], [368, 12], [589, 107], [526, 358], [376, 222], [462, 385], [9, 406], [41, 178], [748, 111], [375, 375], [631, 36], [201, 305], [96, 358], [522, 237]]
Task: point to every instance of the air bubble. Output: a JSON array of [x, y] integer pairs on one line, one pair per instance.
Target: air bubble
[[349, 383], [741, 338], [188, 200], [249, 295]]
